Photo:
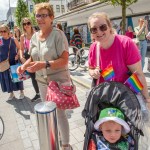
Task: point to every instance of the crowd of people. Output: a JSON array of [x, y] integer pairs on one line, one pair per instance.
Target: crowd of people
[[45, 54]]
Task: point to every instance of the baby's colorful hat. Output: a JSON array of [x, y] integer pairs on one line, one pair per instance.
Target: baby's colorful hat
[[112, 114]]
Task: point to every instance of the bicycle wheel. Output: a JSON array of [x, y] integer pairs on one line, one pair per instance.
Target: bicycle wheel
[[73, 65], [1, 127]]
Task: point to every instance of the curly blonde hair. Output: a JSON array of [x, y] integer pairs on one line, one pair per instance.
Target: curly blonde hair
[[44, 5]]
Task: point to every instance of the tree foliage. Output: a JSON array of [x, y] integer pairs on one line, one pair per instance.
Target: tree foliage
[[124, 4], [40, 1], [21, 12], [32, 17]]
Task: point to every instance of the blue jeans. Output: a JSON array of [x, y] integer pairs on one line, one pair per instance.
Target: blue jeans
[[143, 50]]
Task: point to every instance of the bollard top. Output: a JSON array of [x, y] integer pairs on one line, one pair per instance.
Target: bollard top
[[45, 107]]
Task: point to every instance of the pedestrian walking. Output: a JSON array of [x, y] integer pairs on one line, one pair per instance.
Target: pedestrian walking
[[24, 51], [49, 58], [141, 31], [76, 40], [117, 50], [8, 51]]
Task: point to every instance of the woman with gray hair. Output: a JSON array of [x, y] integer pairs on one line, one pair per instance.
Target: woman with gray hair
[[8, 47], [49, 57]]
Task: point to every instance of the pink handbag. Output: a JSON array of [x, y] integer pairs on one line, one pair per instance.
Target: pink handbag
[[64, 96]]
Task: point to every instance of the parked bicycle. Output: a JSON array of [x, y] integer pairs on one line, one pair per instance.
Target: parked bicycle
[[1, 127], [79, 58]]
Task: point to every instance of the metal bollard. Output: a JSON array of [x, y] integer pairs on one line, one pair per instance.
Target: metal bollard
[[47, 125]]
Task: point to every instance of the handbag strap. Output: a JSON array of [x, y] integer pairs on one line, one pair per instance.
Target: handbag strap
[[97, 59], [9, 49], [97, 54]]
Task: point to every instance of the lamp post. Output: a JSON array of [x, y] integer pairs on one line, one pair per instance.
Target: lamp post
[[10, 22]]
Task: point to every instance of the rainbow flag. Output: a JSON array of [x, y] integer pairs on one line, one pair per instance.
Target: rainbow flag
[[108, 73], [134, 83]]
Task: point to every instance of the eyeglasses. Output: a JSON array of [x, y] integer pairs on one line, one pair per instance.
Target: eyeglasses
[[42, 16], [27, 23], [3, 31], [102, 27]]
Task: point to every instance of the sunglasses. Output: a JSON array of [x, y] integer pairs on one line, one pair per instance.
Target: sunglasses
[[42, 16], [102, 27], [28, 24], [3, 31]]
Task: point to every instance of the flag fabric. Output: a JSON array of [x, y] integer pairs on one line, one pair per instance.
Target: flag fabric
[[108, 73], [134, 83]]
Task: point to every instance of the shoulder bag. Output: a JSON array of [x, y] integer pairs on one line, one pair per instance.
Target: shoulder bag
[[5, 65], [63, 95], [18, 78]]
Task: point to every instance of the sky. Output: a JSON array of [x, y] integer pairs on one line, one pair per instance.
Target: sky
[[4, 5]]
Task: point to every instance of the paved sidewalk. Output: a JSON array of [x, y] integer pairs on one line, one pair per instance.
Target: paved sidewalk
[[20, 121]]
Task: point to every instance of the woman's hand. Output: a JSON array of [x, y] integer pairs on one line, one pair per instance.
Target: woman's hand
[[23, 60], [35, 66], [20, 69], [95, 73]]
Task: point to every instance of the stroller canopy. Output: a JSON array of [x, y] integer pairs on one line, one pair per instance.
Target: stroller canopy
[[113, 94]]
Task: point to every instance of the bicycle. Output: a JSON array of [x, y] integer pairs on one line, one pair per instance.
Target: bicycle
[[2, 127], [78, 58]]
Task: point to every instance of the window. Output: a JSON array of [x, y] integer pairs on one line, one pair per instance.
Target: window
[[57, 8], [62, 8]]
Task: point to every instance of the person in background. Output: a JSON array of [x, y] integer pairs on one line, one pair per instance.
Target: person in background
[[76, 40], [59, 26], [24, 49], [17, 33], [141, 31], [116, 50], [11, 34], [130, 32], [5, 79], [49, 58]]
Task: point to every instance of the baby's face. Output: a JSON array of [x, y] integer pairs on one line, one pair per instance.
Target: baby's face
[[111, 131]]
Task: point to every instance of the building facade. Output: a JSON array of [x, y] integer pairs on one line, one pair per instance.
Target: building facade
[[80, 10]]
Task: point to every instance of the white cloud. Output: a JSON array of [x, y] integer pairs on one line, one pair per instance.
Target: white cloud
[[4, 6]]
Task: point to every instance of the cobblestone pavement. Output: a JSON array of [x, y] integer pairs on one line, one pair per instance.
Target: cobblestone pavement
[[20, 122]]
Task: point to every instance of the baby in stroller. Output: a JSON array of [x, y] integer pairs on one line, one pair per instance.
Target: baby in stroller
[[111, 132], [104, 99]]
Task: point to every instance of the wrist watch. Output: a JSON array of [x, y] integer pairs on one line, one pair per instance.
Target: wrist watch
[[48, 65]]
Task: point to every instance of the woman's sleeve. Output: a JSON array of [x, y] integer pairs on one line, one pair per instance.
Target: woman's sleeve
[[132, 53], [32, 45], [61, 43], [92, 56]]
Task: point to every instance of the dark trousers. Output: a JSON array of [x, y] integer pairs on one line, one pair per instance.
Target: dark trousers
[[34, 82]]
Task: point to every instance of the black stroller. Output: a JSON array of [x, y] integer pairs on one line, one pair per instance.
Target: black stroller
[[113, 94]]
